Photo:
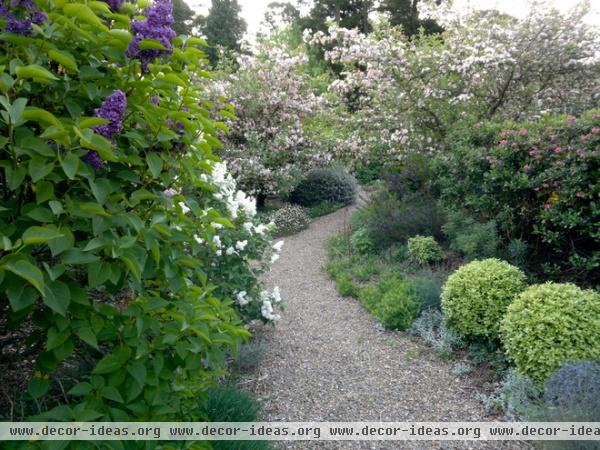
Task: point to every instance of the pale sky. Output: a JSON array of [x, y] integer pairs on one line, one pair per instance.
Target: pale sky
[[253, 11]]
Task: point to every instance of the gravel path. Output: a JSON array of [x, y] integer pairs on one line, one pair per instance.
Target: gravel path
[[328, 361]]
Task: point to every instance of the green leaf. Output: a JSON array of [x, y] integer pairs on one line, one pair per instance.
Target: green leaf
[[111, 393], [38, 169], [88, 336], [40, 235], [113, 362], [44, 191], [57, 297], [16, 110], [77, 256], [14, 178], [90, 122], [70, 165], [41, 116], [24, 269], [84, 14], [151, 44], [41, 214], [21, 297], [98, 274], [37, 72], [80, 389], [138, 371], [37, 387], [155, 163], [64, 59], [38, 145]]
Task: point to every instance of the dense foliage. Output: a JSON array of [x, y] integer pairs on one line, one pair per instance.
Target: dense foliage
[[573, 392], [477, 295], [332, 185], [125, 244], [535, 181], [424, 250], [550, 324]]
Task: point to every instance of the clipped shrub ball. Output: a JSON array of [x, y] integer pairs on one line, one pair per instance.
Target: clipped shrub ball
[[290, 219], [476, 296], [424, 250], [550, 324], [333, 185], [574, 391]]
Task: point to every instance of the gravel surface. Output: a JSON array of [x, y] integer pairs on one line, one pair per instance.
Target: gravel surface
[[328, 360]]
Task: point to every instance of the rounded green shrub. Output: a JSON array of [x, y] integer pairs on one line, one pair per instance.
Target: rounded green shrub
[[424, 250], [333, 185], [290, 219], [475, 297], [550, 324]]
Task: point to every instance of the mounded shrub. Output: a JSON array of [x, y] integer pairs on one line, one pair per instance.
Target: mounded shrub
[[290, 219], [472, 239], [550, 324], [475, 297], [333, 185], [573, 392], [424, 250], [392, 302]]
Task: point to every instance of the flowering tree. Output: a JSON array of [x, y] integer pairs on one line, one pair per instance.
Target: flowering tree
[[408, 94], [126, 250], [267, 148]]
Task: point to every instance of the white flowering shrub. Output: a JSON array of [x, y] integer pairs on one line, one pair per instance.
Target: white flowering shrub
[[266, 145], [403, 95], [290, 219]]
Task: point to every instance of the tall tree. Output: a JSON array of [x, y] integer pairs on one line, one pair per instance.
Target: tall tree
[[406, 13], [346, 13], [183, 16], [223, 27]]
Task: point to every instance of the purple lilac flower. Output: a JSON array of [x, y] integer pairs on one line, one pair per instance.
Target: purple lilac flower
[[115, 5], [93, 159], [155, 100], [113, 109], [20, 15], [157, 26]]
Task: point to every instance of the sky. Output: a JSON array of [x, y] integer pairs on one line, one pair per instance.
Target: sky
[[253, 11]]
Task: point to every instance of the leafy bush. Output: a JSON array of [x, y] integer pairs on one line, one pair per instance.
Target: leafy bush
[[550, 324], [424, 250], [362, 243], [427, 292], [471, 239], [537, 181], [333, 185], [115, 218], [346, 287], [573, 392], [290, 219], [230, 404], [431, 327], [391, 302], [476, 296], [391, 220], [517, 251]]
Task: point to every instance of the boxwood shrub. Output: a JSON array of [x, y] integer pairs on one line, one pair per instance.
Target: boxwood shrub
[[333, 185], [476, 296], [550, 324]]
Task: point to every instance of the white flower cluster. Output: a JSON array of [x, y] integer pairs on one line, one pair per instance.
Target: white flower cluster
[[267, 299], [235, 200]]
